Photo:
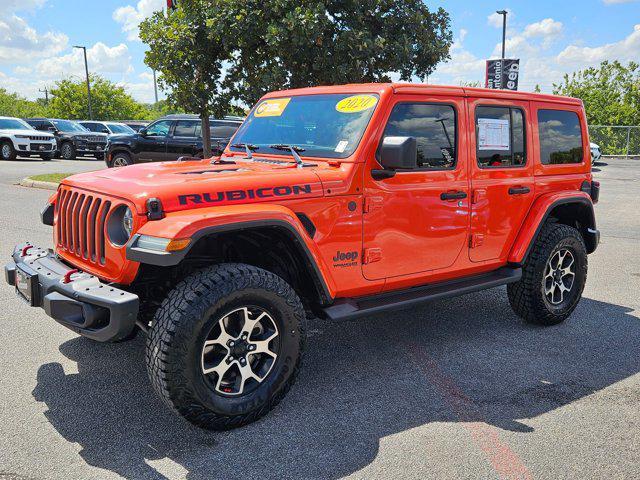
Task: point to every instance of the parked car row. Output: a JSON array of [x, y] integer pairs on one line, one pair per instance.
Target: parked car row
[[124, 143], [169, 138]]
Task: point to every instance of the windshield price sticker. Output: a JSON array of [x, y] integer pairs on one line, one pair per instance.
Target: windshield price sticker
[[356, 103], [342, 145], [272, 108], [493, 134]]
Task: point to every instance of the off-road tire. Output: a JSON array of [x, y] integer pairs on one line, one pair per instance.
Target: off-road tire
[[67, 151], [120, 159], [7, 152], [179, 329], [527, 297]]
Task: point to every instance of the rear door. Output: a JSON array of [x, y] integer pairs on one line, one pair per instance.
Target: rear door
[[501, 175], [185, 139]]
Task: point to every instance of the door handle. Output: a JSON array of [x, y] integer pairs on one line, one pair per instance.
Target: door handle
[[519, 190], [453, 195]]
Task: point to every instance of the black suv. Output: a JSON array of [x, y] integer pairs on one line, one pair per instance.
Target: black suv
[[72, 138], [169, 138]]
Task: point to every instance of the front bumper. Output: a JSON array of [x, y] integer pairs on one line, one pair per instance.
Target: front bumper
[[84, 304]]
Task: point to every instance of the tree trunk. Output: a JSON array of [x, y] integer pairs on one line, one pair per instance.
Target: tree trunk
[[206, 135]]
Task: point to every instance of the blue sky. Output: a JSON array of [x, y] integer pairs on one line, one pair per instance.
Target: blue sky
[[550, 37]]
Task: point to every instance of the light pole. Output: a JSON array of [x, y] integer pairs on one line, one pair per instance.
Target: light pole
[[504, 28], [86, 69], [155, 85]]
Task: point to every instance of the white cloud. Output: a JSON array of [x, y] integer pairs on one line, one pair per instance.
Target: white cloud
[[624, 50], [20, 42], [130, 16], [544, 28], [15, 5], [101, 59]]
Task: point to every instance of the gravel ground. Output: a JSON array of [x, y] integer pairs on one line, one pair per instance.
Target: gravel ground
[[456, 389]]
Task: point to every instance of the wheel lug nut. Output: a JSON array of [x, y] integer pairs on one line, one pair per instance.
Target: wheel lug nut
[[231, 343], [252, 347]]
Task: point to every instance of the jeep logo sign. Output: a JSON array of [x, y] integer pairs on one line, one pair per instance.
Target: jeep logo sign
[[502, 74]]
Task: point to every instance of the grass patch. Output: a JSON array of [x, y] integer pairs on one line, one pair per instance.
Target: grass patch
[[50, 177]]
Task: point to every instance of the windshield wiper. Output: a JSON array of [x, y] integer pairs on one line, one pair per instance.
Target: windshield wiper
[[294, 149], [248, 147]]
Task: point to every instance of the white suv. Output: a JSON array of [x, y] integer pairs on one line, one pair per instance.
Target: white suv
[[17, 137]]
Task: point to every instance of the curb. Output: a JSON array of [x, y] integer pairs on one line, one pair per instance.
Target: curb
[[27, 182]]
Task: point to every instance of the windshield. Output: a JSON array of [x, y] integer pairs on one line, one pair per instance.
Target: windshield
[[323, 125], [14, 124], [69, 126], [117, 128]]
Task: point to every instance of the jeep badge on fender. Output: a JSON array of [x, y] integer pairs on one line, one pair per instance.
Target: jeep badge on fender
[[328, 201]]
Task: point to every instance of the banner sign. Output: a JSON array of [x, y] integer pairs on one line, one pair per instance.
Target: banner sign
[[503, 74]]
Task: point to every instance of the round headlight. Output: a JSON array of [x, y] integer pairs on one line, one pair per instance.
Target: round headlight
[[127, 221], [120, 225]]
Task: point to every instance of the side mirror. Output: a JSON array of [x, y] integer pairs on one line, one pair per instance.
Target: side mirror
[[104, 130], [52, 129], [399, 152], [143, 132]]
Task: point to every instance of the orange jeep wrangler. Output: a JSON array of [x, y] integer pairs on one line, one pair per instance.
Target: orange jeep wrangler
[[339, 202]]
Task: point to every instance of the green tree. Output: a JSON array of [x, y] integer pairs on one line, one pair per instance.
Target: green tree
[[611, 96], [108, 100], [291, 43], [13, 105], [186, 48]]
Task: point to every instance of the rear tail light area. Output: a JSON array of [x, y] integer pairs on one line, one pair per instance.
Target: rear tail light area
[[592, 188]]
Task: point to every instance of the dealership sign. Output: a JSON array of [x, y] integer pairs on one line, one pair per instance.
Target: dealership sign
[[503, 74]]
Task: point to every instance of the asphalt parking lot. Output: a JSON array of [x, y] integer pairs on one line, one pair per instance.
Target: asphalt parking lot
[[456, 389]]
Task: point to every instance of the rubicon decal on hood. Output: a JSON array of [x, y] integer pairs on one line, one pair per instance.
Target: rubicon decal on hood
[[239, 195]]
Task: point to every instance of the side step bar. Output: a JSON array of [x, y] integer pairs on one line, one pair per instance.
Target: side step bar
[[350, 308]]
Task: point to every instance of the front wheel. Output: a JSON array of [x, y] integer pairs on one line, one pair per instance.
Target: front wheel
[[120, 159], [553, 277], [7, 151], [226, 345], [68, 151]]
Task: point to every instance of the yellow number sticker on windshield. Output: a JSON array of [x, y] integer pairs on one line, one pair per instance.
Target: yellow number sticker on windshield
[[272, 107], [356, 103]]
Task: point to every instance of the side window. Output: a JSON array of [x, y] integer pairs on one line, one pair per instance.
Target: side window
[[433, 126], [500, 137], [560, 137], [160, 128], [46, 126], [91, 126], [223, 129], [185, 128]]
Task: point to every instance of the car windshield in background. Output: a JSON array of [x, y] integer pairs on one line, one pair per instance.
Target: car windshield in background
[[68, 126], [14, 124], [115, 128], [328, 126]]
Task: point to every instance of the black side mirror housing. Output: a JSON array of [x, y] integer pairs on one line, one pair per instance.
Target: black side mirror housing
[[399, 153], [143, 132]]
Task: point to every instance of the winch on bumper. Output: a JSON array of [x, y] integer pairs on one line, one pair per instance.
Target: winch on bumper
[[77, 300]]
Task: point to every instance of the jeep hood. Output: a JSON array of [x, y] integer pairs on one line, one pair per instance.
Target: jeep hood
[[199, 184]]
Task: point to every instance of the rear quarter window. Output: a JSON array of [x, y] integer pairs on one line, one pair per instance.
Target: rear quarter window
[[560, 136]]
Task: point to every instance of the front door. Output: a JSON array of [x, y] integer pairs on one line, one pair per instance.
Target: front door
[[418, 220], [501, 176], [152, 147]]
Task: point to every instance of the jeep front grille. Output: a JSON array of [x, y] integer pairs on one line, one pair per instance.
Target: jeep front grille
[[80, 229], [37, 138]]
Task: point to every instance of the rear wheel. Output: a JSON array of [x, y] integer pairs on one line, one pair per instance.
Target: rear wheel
[[68, 151], [553, 276], [7, 152], [226, 345]]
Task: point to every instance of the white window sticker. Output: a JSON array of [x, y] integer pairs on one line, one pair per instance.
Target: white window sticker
[[493, 134], [342, 145]]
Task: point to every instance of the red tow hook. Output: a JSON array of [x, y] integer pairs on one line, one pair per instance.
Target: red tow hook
[[25, 249], [67, 276]]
